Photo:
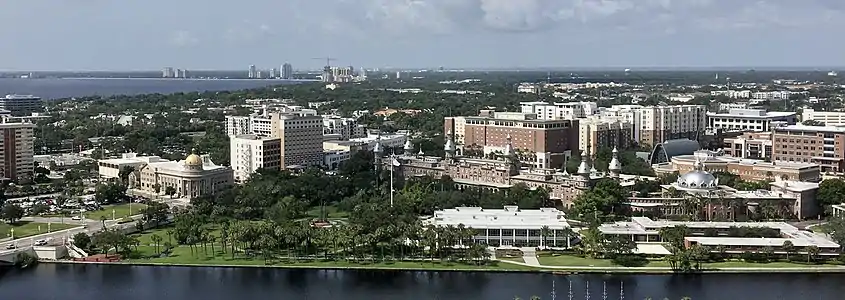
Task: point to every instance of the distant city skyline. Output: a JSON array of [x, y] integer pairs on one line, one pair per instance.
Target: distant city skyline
[[455, 34]]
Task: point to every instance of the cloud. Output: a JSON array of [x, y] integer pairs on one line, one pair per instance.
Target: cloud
[[183, 38], [246, 31]]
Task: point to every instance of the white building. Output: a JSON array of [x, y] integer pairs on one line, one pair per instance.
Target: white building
[[749, 119], [510, 226], [645, 230], [110, 168], [333, 158], [557, 111], [598, 132], [190, 178], [656, 124], [346, 128], [394, 141], [301, 134], [777, 95], [528, 88], [744, 94], [828, 118], [249, 153]]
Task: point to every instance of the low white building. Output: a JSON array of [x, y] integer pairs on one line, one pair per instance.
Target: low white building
[[333, 158], [646, 230], [510, 226], [828, 118], [749, 119], [110, 168]]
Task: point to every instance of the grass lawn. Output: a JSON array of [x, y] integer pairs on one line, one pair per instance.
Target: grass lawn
[[182, 255], [24, 229], [120, 211], [332, 212], [515, 259]]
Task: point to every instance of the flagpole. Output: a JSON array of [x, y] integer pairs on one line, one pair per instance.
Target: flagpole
[[392, 159]]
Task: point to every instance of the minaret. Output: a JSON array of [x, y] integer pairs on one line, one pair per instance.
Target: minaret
[[508, 147], [615, 167], [409, 148], [584, 167], [377, 151], [449, 148]]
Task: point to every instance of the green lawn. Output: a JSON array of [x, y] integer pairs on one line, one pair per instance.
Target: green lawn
[[332, 212], [182, 255], [120, 211], [25, 229]]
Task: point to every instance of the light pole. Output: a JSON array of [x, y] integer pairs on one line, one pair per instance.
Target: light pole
[[112, 214], [12, 233]]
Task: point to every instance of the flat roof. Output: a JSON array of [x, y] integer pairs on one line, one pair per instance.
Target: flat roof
[[800, 127], [796, 186], [770, 114], [510, 217]]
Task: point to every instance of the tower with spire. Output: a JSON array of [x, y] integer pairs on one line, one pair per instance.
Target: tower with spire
[[449, 148], [615, 167]]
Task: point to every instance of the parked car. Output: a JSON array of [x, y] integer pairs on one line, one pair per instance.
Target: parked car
[[41, 242], [11, 246], [76, 218]]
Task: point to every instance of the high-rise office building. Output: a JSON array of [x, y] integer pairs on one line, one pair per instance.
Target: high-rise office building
[[301, 134], [249, 153], [287, 71], [167, 73], [21, 105], [274, 73], [253, 72], [16, 151]]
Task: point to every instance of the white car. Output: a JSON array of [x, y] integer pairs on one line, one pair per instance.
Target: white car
[[41, 242], [11, 246], [76, 218]]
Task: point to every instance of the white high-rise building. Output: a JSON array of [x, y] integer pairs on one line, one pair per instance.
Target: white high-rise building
[[301, 134], [656, 124], [249, 153], [559, 111], [287, 71], [253, 72]]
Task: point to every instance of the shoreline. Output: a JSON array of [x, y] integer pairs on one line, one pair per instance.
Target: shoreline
[[558, 270]]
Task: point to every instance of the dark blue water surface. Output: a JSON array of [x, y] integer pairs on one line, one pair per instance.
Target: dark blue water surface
[[97, 282], [53, 88]]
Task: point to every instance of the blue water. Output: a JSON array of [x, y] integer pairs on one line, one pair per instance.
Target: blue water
[[54, 88], [93, 282]]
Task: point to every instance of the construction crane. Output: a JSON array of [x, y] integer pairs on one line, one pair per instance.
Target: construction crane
[[328, 60]]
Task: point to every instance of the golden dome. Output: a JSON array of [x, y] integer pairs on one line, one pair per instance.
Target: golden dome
[[193, 160]]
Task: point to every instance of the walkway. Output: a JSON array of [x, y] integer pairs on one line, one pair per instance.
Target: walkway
[[529, 255], [531, 261]]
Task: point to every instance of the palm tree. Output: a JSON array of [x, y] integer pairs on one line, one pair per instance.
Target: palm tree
[[545, 232], [156, 239], [812, 252]]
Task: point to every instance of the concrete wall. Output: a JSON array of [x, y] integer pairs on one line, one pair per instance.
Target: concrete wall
[[50, 252]]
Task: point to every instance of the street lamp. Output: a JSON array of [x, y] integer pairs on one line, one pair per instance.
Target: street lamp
[[112, 214], [12, 233]]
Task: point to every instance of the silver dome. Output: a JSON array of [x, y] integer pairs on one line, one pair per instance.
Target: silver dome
[[697, 179]]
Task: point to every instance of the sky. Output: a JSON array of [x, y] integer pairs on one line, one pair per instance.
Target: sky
[[217, 34]]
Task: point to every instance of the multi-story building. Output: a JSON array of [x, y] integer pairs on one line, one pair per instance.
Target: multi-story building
[[822, 145], [828, 118], [342, 74], [249, 153], [253, 72], [21, 105], [168, 73], [301, 134], [16, 151], [287, 71], [510, 226], [542, 143], [595, 133], [524, 88], [500, 171], [746, 169], [753, 145], [744, 94], [749, 119], [777, 95], [556, 111], [344, 128], [656, 124]]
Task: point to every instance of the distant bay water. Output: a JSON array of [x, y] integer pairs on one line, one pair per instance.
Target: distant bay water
[[56, 88]]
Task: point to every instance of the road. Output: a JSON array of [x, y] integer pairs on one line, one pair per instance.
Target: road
[[57, 237]]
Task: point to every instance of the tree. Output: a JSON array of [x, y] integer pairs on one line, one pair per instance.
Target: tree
[[156, 212], [788, 247], [82, 240], [812, 252], [170, 191], [156, 239], [11, 212], [830, 192]]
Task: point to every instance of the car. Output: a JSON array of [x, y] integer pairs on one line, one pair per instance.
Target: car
[[76, 218], [41, 242], [11, 246]]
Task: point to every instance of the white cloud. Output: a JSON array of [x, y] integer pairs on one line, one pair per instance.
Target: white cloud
[[183, 38]]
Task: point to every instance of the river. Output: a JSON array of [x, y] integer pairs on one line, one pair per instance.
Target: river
[[54, 88], [100, 282]]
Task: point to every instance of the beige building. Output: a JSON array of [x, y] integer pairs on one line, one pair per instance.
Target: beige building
[[300, 133], [249, 153], [16, 151], [656, 124], [111, 168], [746, 169], [596, 133], [753, 145], [828, 118], [822, 145], [193, 177]]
